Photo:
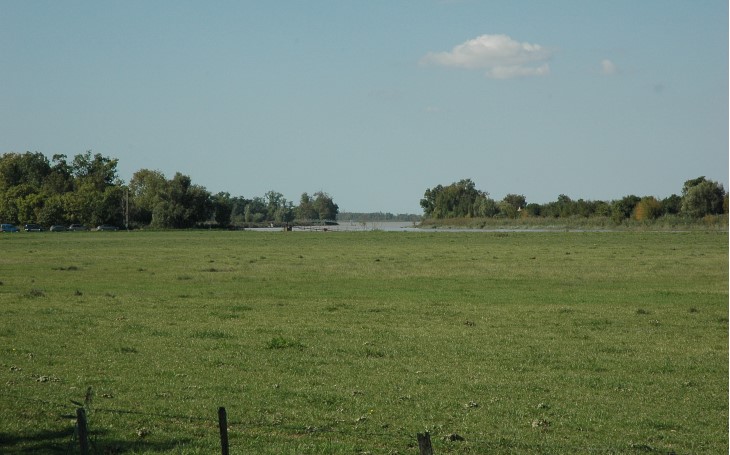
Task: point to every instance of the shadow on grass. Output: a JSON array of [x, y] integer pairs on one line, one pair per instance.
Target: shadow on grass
[[64, 442]]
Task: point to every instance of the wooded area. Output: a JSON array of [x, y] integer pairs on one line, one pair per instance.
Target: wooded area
[[700, 197], [88, 190]]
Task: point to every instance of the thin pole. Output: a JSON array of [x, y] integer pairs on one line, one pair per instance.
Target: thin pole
[[223, 424]]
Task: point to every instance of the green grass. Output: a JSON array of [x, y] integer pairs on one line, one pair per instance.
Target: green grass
[[541, 342]]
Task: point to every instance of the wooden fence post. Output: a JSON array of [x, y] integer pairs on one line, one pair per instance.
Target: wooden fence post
[[424, 443], [83, 433], [223, 424]]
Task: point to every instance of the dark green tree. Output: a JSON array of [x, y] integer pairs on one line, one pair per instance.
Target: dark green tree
[[623, 209], [146, 189], [97, 171], [256, 210], [460, 199], [23, 169], [222, 208], [183, 204], [174, 203], [305, 210], [702, 197], [428, 203], [511, 205], [324, 206], [671, 205], [60, 179]]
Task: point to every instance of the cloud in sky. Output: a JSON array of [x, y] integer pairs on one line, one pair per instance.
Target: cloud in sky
[[608, 67], [503, 57]]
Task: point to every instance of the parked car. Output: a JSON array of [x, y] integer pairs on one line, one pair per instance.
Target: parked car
[[107, 227], [77, 227], [8, 228], [57, 228], [33, 228]]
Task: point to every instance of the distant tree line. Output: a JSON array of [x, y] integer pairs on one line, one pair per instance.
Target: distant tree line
[[88, 190], [700, 197]]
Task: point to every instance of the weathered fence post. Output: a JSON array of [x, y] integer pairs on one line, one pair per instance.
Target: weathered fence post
[[83, 433], [223, 424], [424, 443]]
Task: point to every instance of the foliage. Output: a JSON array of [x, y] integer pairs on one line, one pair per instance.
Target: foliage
[[648, 208], [511, 205], [700, 197], [87, 190], [460, 199], [222, 208], [324, 206], [174, 203], [305, 210], [146, 189]]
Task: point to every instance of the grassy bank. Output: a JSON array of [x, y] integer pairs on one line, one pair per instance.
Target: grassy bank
[[353, 342], [664, 223]]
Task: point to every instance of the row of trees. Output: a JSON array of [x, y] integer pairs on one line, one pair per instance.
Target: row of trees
[[88, 190], [700, 197]]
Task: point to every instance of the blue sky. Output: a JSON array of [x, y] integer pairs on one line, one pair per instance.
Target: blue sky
[[375, 101]]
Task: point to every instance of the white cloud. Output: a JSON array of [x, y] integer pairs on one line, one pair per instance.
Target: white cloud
[[500, 55], [608, 67]]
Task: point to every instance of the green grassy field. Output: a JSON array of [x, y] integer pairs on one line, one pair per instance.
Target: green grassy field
[[351, 343]]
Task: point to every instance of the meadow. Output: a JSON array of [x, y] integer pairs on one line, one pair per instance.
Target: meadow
[[353, 342]]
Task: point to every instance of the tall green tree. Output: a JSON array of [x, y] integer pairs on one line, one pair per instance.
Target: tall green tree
[[174, 203], [512, 204], [278, 209], [702, 197], [23, 169], [324, 206], [305, 210], [183, 204], [256, 210], [485, 207], [460, 199], [222, 208], [60, 179], [623, 208], [428, 203], [146, 189], [672, 205], [95, 170]]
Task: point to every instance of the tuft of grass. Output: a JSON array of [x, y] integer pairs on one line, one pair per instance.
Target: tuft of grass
[[237, 308], [279, 342], [210, 334], [35, 293]]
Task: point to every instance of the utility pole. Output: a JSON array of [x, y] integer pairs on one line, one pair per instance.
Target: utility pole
[[126, 208]]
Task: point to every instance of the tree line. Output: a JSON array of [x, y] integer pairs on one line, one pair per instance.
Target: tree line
[[700, 197], [87, 190]]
